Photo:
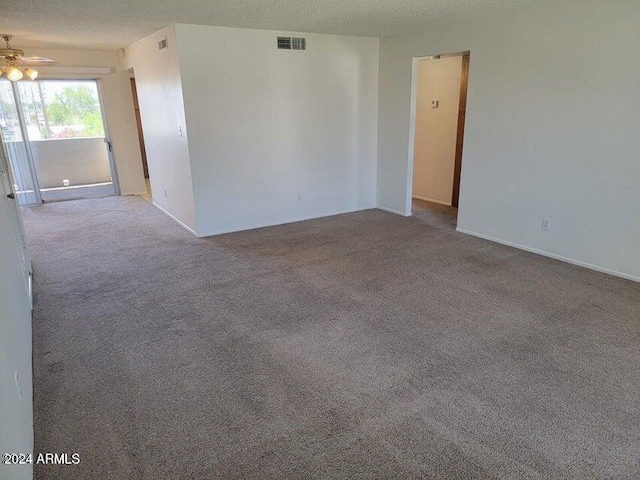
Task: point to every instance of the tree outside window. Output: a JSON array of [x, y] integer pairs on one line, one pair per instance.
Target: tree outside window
[[69, 109]]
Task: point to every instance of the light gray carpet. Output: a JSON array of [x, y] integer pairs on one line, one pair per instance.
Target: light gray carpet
[[360, 346]]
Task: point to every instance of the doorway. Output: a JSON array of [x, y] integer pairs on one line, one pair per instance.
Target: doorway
[[57, 140], [143, 150], [439, 100]]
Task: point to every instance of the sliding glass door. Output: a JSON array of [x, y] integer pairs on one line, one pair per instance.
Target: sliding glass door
[[61, 149], [17, 148]]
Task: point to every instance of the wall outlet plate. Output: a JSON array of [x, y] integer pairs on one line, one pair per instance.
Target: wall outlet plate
[[546, 224]]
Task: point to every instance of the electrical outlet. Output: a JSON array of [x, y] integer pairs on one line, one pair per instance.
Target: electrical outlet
[[66, 182], [546, 224], [297, 198]]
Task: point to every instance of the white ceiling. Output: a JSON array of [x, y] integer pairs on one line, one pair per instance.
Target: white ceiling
[[105, 24]]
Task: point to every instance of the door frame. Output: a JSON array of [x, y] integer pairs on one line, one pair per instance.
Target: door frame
[[136, 108], [107, 136], [413, 110], [24, 132], [462, 116], [19, 233]]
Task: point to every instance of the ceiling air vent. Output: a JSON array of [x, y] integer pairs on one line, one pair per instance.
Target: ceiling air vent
[[292, 43], [162, 44]]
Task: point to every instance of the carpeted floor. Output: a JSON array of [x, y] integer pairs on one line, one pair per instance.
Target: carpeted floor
[[359, 346]]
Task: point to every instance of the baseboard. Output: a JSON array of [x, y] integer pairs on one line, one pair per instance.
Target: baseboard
[[183, 225], [391, 210], [431, 200], [561, 258], [284, 222]]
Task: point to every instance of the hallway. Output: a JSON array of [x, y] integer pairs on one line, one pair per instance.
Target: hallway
[[435, 215]]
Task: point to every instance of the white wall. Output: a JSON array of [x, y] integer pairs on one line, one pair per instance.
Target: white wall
[[551, 128], [159, 86], [16, 407], [436, 129], [118, 104], [277, 136]]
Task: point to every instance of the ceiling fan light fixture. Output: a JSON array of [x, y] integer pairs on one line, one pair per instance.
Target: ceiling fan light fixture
[[15, 65], [31, 73], [14, 74]]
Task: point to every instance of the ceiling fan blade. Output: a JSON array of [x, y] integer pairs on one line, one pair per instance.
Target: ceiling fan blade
[[34, 60]]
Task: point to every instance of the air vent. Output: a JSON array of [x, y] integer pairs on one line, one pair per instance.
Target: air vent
[[298, 43], [162, 44], [292, 43], [284, 43]]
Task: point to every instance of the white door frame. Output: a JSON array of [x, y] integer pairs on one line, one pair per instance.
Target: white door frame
[[9, 195], [107, 137], [412, 120]]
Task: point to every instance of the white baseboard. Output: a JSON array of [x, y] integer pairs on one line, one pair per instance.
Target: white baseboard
[[283, 222], [183, 225], [431, 200], [391, 210], [572, 261]]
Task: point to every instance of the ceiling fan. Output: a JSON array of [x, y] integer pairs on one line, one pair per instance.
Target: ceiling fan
[[15, 65]]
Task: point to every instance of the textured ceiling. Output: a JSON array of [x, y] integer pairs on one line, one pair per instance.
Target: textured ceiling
[[117, 23]]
